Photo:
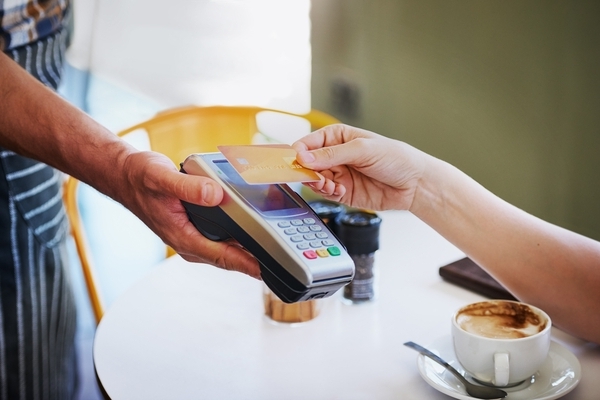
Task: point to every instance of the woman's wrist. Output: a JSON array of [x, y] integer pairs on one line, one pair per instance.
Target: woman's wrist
[[429, 197]]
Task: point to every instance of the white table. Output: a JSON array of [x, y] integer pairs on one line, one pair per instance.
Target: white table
[[190, 331]]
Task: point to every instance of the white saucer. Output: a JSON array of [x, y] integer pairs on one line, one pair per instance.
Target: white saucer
[[558, 376]]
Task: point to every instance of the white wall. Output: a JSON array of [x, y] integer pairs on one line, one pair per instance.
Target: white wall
[[251, 52]]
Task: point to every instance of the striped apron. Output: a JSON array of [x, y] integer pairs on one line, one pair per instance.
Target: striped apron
[[37, 307]]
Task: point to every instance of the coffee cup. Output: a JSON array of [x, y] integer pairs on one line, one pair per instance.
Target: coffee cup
[[501, 342]]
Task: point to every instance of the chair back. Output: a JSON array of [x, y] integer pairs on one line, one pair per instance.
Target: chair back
[[178, 133]]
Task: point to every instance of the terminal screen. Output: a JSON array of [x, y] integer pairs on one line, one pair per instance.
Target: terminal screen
[[262, 197]]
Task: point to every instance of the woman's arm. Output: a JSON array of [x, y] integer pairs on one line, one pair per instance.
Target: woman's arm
[[540, 263]]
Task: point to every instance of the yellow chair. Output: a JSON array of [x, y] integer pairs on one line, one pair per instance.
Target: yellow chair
[[178, 133]]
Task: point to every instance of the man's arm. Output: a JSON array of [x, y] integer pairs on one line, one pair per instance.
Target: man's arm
[[38, 123]]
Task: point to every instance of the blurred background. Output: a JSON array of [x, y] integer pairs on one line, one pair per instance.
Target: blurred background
[[508, 91]]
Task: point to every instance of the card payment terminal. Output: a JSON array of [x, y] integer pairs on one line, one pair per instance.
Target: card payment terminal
[[300, 258]]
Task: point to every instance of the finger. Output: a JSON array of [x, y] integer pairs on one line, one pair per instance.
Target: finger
[[193, 189], [339, 191], [300, 145], [331, 135], [235, 258], [316, 186], [328, 188], [337, 195], [351, 153], [160, 175], [228, 255]]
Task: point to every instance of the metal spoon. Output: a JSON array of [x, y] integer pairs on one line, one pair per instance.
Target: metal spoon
[[480, 392]]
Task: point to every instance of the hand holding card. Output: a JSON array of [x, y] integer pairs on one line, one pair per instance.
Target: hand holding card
[[265, 164]]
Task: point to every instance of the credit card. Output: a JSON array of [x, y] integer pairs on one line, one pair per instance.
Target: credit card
[[267, 163]]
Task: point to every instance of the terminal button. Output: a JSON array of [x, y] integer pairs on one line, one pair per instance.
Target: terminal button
[[310, 254], [322, 253], [334, 251]]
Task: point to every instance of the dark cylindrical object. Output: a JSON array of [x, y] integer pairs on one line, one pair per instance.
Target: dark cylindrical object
[[359, 232], [328, 211]]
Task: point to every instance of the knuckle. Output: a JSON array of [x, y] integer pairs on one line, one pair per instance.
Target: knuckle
[[328, 153]]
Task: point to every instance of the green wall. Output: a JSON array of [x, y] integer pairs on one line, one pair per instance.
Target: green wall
[[508, 91]]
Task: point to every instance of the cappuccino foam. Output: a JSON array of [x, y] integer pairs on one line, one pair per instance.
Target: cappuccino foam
[[500, 320]]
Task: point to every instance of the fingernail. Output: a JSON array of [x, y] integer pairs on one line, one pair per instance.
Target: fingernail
[[306, 157], [208, 193]]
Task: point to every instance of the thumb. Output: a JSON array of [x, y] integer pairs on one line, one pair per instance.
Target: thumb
[[196, 189], [327, 157]]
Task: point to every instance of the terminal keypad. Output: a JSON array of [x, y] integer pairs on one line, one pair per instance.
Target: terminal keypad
[[308, 236]]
